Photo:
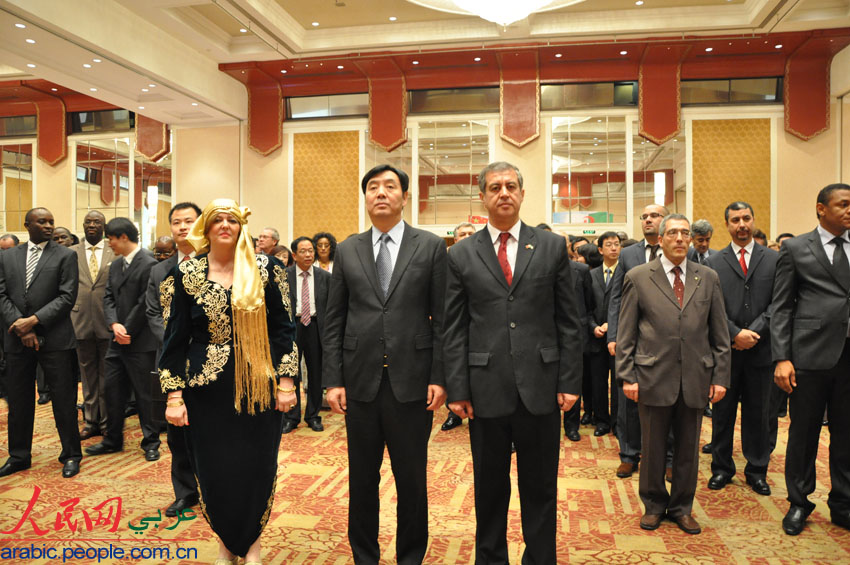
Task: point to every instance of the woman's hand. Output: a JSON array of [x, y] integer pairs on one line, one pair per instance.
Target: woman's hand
[[285, 401], [177, 415]]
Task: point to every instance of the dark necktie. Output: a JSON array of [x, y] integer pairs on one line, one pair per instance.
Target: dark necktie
[[653, 252], [607, 276], [124, 264], [703, 260], [743, 261], [503, 256], [679, 286], [384, 264], [839, 261]]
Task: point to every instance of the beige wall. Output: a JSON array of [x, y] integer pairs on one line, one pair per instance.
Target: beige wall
[[531, 161], [206, 164], [845, 140], [264, 188], [54, 189]]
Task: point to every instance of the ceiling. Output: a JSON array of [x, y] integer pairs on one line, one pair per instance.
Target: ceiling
[[177, 45]]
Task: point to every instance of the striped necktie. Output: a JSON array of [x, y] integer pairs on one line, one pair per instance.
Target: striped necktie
[[32, 261]]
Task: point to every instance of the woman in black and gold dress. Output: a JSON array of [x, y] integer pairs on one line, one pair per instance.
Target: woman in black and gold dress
[[227, 365]]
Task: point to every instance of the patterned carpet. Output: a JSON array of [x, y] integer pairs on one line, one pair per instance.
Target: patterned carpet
[[598, 514]]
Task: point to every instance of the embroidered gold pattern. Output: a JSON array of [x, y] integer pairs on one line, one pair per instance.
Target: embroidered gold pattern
[[268, 511], [289, 363], [283, 285], [216, 359], [166, 294], [263, 262], [169, 382]]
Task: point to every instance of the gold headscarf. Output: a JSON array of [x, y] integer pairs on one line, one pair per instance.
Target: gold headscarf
[[254, 368]]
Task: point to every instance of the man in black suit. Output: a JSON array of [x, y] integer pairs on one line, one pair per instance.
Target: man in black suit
[[132, 353], [38, 287], [746, 271], [584, 304], [181, 217], [701, 239], [308, 292], [513, 358], [809, 337], [383, 364]]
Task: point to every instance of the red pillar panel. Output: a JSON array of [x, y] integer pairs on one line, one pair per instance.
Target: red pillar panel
[[52, 138], [519, 97], [387, 102], [265, 115], [152, 139], [807, 87], [659, 103]]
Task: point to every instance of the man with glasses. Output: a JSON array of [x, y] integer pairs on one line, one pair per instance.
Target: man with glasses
[[673, 356]]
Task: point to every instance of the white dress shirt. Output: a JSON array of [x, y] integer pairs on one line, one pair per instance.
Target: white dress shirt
[[668, 265], [828, 247], [181, 255], [512, 244], [648, 250], [393, 245], [748, 251], [96, 250], [130, 256], [31, 246], [299, 278]]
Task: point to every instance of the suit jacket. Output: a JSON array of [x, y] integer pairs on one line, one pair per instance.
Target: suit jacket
[[124, 302], [692, 254], [601, 299], [50, 297], [364, 331], [321, 285], [748, 299], [665, 348], [584, 301], [87, 314], [505, 343], [153, 305], [811, 306], [630, 257]]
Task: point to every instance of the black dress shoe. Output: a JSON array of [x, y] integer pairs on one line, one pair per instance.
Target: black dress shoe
[[841, 518], [11, 467], [130, 411], [572, 435], [288, 426], [180, 505], [587, 419], [89, 431], [707, 412], [102, 449], [719, 480], [70, 468], [43, 398], [316, 425], [706, 448], [759, 485], [151, 454], [451, 422], [601, 430], [794, 520]]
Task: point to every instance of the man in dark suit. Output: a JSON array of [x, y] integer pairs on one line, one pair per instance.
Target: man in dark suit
[[308, 292], [93, 259], [628, 419], [584, 305], [181, 217], [38, 287], [809, 337], [746, 271], [132, 353], [702, 232], [513, 358], [672, 356], [383, 364]]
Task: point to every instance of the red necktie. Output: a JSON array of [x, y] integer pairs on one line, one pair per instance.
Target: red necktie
[[679, 286], [503, 256], [185, 258], [743, 261]]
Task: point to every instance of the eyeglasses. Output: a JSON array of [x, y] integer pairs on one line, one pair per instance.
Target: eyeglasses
[[686, 234], [653, 215]]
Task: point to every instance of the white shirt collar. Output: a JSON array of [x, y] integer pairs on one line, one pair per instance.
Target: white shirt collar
[[300, 271], [132, 254], [494, 233], [749, 247], [180, 255], [826, 237], [396, 232], [668, 265], [98, 245], [41, 245]]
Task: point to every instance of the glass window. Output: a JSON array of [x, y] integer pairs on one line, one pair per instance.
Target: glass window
[[588, 169], [16, 186], [401, 159], [153, 183], [592, 95], [734, 91], [451, 154], [659, 175], [17, 126], [105, 184], [310, 107], [102, 121], [451, 100]]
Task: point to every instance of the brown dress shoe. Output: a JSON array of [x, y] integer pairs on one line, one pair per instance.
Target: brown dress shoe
[[687, 524], [625, 470], [651, 521]]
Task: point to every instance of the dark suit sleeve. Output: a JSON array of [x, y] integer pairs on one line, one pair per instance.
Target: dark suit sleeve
[[589, 304], [136, 318], [66, 297], [438, 301], [627, 334], [177, 327], [110, 309], [718, 336], [8, 310], [715, 262], [614, 302], [456, 336], [336, 317], [784, 304], [281, 327], [153, 308], [571, 328]]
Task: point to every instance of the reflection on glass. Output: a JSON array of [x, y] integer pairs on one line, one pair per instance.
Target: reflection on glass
[[16, 186], [659, 174], [588, 169], [153, 191], [400, 158], [451, 154]]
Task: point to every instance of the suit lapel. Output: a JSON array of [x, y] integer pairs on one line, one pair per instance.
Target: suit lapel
[[291, 276], [132, 268], [729, 257], [755, 259], [692, 281], [82, 263], [818, 251], [659, 277], [642, 254], [524, 253], [106, 259], [484, 248], [23, 252], [367, 260], [409, 244]]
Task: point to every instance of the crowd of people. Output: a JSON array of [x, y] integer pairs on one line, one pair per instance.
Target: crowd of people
[[514, 328]]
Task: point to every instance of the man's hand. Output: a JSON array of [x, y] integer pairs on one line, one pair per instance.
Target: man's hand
[[745, 339], [436, 396], [598, 331], [336, 399], [716, 393], [30, 340], [784, 376], [462, 408], [631, 391], [566, 401], [612, 348], [121, 335], [23, 326]]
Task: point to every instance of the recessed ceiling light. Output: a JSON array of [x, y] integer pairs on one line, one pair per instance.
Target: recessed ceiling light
[[55, 89], [283, 71], [243, 30], [709, 49], [477, 59], [152, 85], [639, 3], [145, 89], [591, 152], [30, 41], [30, 65], [194, 103], [598, 121], [141, 107], [20, 26], [315, 24], [93, 89], [778, 46], [675, 140], [86, 66], [340, 67], [558, 55], [415, 62], [307, 66], [393, 18], [624, 52], [96, 61]]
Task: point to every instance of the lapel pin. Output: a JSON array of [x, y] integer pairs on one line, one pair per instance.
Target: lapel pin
[[529, 246]]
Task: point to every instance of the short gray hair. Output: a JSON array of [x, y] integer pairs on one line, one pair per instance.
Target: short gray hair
[[663, 227], [462, 225], [495, 167], [702, 227], [275, 233]]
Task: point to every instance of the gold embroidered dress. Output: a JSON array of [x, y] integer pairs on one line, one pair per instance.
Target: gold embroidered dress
[[233, 453]]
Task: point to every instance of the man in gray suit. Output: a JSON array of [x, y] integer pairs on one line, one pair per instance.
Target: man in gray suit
[[383, 362], [809, 335], [93, 259], [38, 287], [673, 357], [513, 355]]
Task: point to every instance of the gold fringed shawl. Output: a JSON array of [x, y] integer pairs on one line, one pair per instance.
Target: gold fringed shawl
[[253, 363]]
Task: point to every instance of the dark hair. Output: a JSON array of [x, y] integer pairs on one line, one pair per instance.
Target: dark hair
[[783, 235], [738, 205], [377, 170], [576, 239], [277, 249], [74, 238], [183, 206], [758, 234], [591, 255], [31, 210], [627, 243], [543, 226], [298, 240], [826, 193], [116, 227], [607, 235], [330, 238], [496, 167], [11, 236]]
